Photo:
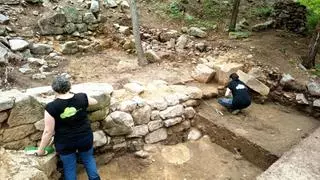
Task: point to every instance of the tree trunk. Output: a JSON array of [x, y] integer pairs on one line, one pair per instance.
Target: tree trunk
[[310, 60], [234, 16], [136, 33]]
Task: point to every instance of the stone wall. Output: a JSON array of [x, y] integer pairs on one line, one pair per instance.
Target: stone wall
[[125, 118]]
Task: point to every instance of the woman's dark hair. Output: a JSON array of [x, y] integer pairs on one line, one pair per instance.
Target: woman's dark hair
[[61, 85], [234, 76]]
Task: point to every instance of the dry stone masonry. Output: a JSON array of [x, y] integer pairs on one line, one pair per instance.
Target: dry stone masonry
[[123, 119]]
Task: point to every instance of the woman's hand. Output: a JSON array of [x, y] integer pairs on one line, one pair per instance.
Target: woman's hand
[[40, 152]]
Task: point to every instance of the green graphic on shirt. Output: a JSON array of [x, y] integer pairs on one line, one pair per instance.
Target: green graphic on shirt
[[68, 112]]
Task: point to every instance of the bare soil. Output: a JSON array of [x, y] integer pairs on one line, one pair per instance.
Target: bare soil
[[200, 160]]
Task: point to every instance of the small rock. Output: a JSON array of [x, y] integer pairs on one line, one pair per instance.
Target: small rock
[[18, 44], [94, 6], [263, 26], [316, 103], [166, 36], [238, 35], [200, 46], [181, 43], [118, 123], [314, 88], [37, 61], [197, 32], [154, 125], [35, 13], [124, 4], [4, 19], [194, 134], [286, 78], [139, 131], [124, 30], [110, 3], [41, 49], [172, 99], [301, 99], [156, 136], [99, 139], [127, 106], [39, 76], [142, 154], [158, 103], [151, 56], [89, 18], [155, 115], [25, 69], [142, 115], [134, 88], [70, 47]]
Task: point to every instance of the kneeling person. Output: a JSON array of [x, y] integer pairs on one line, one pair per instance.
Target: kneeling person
[[240, 98]]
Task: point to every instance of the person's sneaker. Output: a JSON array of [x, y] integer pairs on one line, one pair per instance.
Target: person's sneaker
[[235, 112]]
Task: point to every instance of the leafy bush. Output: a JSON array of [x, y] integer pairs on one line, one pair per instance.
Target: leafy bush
[[263, 11], [313, 16]]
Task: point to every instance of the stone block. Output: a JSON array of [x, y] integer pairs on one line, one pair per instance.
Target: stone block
[[98, 115], [142, 115], [139, 131], [172, 121], [155, 115], [253, 83], [189, 112], [203, 73], [5, 102], [158, 103], [17, 133], [26, 110], [118, 123], [156, 136], [155, 125], [224, 70], [99, 139], [134, 88], [172, 112], [185, 125]]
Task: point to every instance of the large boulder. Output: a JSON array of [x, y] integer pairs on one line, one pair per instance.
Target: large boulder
[[41, 49], [156, 136], [197, 32], [142, 115], [224, 70], [253, 83], [16, 165], [52, 24], [17, 133], [18, 44], [202, 73], [118, 123], [26, 110]]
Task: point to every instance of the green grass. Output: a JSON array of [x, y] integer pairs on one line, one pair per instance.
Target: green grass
[[263, 11], [312, 20]]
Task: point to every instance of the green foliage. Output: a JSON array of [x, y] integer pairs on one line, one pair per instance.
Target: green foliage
[[215, 9], [175, 9], [313, 16], [263, 11], [316, 70]]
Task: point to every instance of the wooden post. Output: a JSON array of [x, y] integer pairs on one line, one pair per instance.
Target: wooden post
[[142, 61]]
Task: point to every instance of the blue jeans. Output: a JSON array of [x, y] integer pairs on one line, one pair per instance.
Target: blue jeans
[[70, 165], [226, 102]]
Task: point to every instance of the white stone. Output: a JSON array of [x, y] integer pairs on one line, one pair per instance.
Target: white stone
[[5, 102], [124, 30], [124, 4], [39, 76], [110, 3], [158, 103], [172, 112], [253, 83], [118, 123], [172, 99], [189, 112], [127, 106], [154, 125], [139, 131], [37, 61], [194, 134], [197, 32], [142, 154], [134, 87], [156, 136], [172, 121], [224, 70], [155, 115], [314, 88], [301, 99], [202, 73], [194, 92], [286, 78], [99, 139], [18, 44], [316, 103]]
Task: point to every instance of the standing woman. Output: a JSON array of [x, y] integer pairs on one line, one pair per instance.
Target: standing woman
[[66, 118]]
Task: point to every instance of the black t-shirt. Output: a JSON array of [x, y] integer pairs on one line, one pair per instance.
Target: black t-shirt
[[71, 118], [240, 93]]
